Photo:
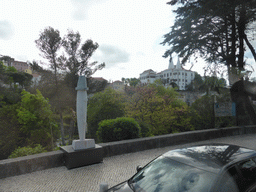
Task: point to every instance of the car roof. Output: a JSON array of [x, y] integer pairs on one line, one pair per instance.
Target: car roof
[[211, 157]]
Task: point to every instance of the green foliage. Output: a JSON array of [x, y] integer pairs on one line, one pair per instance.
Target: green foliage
[[118, 129], [10, 135], [104, 105], [131, 81], [24, 151], [35, 118], [160, 109], [145, 129], [22, 78], [202, 112], [203, 116], [213, 29], [9, 96], [11, 69]]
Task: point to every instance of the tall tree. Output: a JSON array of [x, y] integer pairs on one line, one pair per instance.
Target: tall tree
[[217, 31], [213, 29], [49, 43], [77, 58]]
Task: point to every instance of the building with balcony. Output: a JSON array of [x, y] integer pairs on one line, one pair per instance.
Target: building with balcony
[[174, 75]]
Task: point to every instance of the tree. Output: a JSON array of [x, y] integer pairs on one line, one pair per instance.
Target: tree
[[160, 108], [36, 67], [214, 30], [2, 73], [77, 58], [96, 85], [202, 113], [108, 104], [49, 43], [22, 78], [35, 117], [10, 135], [196, 83], [26, 121], [131, 81]]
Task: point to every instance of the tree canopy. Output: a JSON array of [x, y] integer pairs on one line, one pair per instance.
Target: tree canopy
[[212, 29]]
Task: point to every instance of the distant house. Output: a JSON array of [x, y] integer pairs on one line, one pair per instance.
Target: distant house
[[174, 75], [20, 66], [117, 85], [148, 76]]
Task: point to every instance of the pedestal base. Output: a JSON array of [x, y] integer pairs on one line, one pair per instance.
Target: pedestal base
[[81, 158], [84, 144]]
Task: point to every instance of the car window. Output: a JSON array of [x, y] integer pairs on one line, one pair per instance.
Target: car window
[[165, 174], [248, 173], [244, 173]]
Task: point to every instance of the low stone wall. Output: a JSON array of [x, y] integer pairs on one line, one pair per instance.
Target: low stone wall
[[31, 163], [134, 145], [28, 164]]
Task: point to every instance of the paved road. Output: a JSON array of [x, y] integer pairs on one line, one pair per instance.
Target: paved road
[[113, 170]]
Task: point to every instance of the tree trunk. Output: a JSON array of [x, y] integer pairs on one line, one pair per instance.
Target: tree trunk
[[62, 129], [71, 129]]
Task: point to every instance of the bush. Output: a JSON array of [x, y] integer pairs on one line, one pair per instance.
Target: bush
[[104, 105], [24, 151], [145, 129], [118, 129]]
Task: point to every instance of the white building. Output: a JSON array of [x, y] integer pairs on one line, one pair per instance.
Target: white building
[[175, 74], [148, 76]]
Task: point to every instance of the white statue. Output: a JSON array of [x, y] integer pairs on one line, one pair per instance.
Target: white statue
[[81, 110]]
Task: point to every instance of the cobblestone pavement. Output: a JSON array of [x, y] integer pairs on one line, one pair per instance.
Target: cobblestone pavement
[[113, 170]]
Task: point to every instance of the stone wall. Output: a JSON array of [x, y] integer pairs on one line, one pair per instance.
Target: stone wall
[[28, 164]]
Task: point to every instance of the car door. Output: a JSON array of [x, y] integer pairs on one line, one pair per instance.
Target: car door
[[244, 174]]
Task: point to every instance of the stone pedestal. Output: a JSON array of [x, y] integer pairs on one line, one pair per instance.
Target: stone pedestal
[[81, 158], [83, 144]]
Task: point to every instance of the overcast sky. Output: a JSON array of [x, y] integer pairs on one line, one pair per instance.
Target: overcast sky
[[128, 32]]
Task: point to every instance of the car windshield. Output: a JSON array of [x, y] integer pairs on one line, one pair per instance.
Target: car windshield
[[164, 174]]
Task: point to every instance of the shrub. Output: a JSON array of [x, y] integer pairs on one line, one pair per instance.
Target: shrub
[[118, 129], [104, 105], [145, 129], [24, 151]]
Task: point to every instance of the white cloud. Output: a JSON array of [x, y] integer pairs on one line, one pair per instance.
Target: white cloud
[[81, 8], [6, 30], [111, 55]]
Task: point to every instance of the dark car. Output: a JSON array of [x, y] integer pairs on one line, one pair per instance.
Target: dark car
[[215, 167]]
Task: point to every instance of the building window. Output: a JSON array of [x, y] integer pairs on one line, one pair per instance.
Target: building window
[[170, 74], [164, 75], [185, 74], [182, 73], [167, 74]]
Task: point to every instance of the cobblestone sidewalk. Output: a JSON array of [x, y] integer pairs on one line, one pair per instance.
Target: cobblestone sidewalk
[[113, 170]]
